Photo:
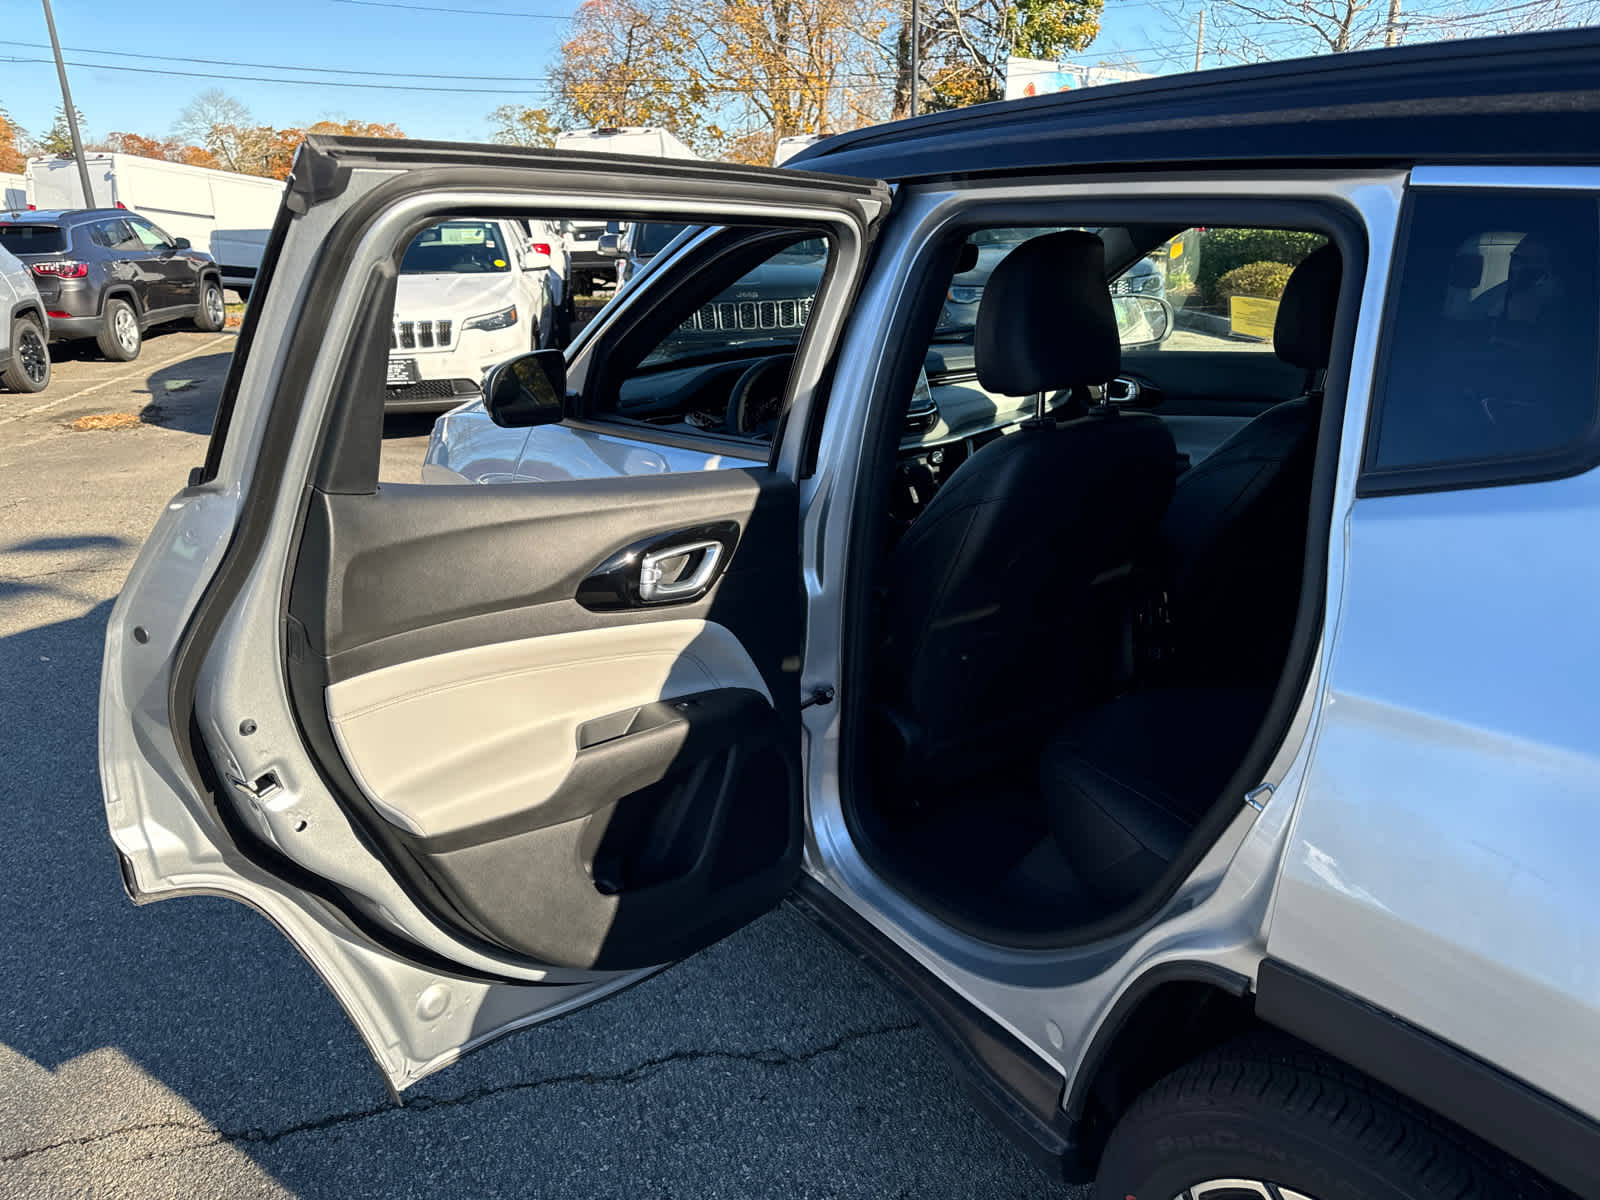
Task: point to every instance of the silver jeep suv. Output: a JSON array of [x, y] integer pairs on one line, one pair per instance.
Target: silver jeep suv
[[1188, 700], [24, 336]]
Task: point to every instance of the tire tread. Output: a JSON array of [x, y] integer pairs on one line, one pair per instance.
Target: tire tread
[[1267, 1070]]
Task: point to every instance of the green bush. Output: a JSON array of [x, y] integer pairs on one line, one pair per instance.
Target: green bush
[[1264, 279], [1222, 250]]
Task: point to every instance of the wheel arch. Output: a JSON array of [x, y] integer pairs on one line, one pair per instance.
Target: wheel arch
[[120, 291], [1166, 1017], [29, 307]]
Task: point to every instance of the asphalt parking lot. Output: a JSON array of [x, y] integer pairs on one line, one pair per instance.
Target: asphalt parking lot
[[185, 1050]]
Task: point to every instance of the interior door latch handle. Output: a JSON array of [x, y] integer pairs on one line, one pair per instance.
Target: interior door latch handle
[[653, 583]]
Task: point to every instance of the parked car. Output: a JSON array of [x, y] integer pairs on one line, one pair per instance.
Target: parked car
[[634, 245], [547, 247], [1203, 740], [111, 275], [224, 213], [472, 293], [24, 339]]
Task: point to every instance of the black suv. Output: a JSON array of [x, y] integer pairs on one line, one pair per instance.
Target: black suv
[[109, 274]]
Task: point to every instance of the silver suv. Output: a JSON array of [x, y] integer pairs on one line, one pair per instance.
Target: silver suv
[[1200, 729], [24, 337]]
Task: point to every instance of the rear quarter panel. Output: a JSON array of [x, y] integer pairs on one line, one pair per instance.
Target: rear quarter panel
[[1443, 864]]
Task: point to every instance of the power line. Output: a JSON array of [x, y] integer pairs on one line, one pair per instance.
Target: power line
[[382, 87], [228, 62], [481, 12]]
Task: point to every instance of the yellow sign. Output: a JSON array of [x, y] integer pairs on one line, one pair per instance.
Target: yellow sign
[[1175, 250], [1250, 316]]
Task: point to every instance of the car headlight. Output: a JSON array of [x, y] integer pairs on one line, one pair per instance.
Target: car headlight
[[504, 319], [966, 295]]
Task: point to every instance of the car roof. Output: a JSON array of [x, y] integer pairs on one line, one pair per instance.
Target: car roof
[[1526, 98], [59, 216]]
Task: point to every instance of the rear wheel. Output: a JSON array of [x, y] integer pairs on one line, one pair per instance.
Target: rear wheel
[[211, 314], [27, 368], [1264, 1119], [119, 338]]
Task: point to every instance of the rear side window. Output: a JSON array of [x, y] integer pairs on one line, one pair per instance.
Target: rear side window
[[1493, 341], [32, 239]]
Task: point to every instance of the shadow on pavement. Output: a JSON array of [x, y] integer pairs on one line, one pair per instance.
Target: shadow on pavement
[[183, 395]]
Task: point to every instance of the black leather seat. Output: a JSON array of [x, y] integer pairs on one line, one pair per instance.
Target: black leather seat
[[1233, 539], [984, 635], [1124, 784]]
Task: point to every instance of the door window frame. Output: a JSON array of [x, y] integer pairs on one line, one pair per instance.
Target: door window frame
[[882, 352], [1575, 457]]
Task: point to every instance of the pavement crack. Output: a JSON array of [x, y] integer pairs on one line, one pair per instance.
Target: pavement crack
[[206, 1136]]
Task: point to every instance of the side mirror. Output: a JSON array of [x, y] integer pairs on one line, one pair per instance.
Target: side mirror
[[610, 245], [529, 390], [1143, 321], [181, 243], [614, 227]]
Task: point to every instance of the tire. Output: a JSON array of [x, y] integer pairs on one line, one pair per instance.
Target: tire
[[27, 366], [211, 314], [1265, 1119], [120, 338]]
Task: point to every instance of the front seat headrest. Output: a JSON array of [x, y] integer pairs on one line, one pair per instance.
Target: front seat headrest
[[1045, 322], [1303, 332]]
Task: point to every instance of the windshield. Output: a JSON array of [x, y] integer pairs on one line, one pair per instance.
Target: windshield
[[654, 237], [32, 239], [457, 248]]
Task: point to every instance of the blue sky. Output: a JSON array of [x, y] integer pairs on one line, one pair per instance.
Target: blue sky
[[517, 43]]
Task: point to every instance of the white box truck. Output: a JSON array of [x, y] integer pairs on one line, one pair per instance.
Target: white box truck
[[590, 268], [13, 192], [226, 215]]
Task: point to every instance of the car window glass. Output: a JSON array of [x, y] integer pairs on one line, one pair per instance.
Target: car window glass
[[32, 239], [1496, 319], [124, 236], [458, 248], [723, 365], [148, 235], [1224, 284], [103, 234]]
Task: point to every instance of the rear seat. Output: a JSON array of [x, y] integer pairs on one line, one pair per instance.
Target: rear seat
[[1125, 783]]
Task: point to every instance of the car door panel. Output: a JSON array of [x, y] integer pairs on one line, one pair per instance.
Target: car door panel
[[507, 734], [442, 734]]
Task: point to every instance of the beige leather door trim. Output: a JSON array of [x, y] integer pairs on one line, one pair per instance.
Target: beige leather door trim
[[445, 743]]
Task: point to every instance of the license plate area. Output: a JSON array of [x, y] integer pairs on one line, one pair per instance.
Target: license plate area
[[402, 371]]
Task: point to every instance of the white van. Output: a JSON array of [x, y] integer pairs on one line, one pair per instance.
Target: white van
[[590, 268], [225, 214], [472, 293]]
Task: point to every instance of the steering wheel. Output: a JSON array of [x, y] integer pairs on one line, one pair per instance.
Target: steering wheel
[[757, 397]]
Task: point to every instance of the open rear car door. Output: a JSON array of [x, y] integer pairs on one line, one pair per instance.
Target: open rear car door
[[437, 733]]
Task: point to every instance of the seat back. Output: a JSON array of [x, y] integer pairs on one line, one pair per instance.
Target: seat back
[[1234, 536], [985, 622]]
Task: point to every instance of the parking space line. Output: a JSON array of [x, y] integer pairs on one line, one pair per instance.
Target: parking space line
[[147, 367]]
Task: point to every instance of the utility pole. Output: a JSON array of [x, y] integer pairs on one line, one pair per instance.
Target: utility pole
[[72, 113], [916, 50], [1200, 38], [1391, 31]]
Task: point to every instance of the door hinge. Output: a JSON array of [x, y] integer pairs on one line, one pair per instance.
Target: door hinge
[[822, 695], [1257, 797]]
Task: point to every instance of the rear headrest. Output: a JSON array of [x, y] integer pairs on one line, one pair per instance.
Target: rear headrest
[[1303, 334], [1045, 322]]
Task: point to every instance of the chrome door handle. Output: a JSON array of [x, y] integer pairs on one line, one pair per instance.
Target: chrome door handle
[[652, 585]]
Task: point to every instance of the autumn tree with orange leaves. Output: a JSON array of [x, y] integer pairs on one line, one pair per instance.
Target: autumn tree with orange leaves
[[12, 159], [731, 77], [220, 126]]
